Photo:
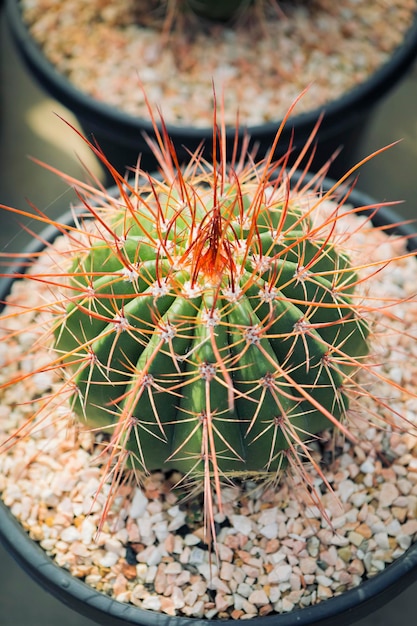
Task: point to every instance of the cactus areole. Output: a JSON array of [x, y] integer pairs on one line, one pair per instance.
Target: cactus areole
[[212, 327]]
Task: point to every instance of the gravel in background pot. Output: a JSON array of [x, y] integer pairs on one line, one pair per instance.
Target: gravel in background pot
[[351, 63]]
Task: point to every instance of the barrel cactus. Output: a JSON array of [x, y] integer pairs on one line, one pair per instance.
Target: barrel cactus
[[205, 327], [210, 324]]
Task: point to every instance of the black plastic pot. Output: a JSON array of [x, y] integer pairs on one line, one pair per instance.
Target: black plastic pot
[[121, 135], [344, 610]]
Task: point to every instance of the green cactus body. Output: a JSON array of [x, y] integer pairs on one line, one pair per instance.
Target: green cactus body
[[216, 332]]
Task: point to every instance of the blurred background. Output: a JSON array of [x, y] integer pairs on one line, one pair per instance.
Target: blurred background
[[30, 126]]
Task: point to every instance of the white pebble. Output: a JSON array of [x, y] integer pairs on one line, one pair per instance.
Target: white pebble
[[368, 467], [42, 381], [190, 598], [258, 597], [249, 608], [113, 545], [197, 556], [109, 559], [388, 494], [173, 568], [152, 603], [88, 530], [141, 571], [244, 590], [270, 531], [219, 585], [191, 540], [394, 528], [308, 565], [70, 534], [346, 489], [274, 594], [151, 555], [161, 530], [280, 574], [226, 571], [404, 541], [325, 581], [138, 504], [177, 521], [268, 516], [241, 523], [381, 540], [239, 601], [151, 573], [207, 570]]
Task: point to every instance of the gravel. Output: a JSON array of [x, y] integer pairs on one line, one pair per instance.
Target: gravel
[[275, 550]]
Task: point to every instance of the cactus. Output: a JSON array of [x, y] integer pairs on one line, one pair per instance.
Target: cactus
[[207, 319], [211, 329], [212, 313]]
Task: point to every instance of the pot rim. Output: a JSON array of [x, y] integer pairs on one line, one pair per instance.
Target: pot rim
[[351, 605]]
